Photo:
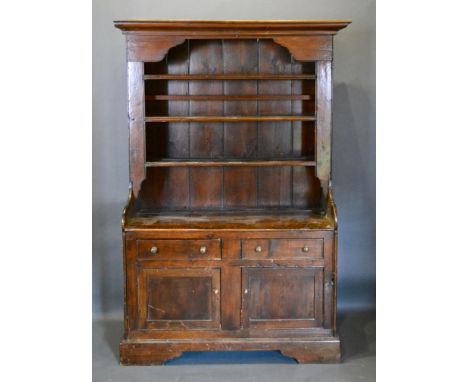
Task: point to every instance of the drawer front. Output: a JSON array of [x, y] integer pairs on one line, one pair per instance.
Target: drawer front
[[163, 249], [282, 249]]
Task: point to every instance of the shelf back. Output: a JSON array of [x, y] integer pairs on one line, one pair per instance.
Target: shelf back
[[229, 78]]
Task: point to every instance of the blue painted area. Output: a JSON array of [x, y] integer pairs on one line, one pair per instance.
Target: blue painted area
[[231, 357]]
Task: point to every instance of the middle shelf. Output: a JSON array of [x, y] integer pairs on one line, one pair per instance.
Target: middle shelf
[[230, 163]]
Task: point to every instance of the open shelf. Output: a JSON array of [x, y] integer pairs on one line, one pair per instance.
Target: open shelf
[[230, 118], [230, 125], [229, 163], [222, 77], [254, 97]]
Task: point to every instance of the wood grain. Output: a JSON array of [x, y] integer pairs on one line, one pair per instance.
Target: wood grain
[[231, 118], [149, 48], [230, 230], [234, 76], [324, 99], [136, 113], [231, 163], [254, 97], [307, 48]]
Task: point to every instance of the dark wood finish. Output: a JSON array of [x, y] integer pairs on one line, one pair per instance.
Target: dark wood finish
[[281, 298], [178, 298], [149, 49], [222, 77], [240, 194], [230, 291], [230, 118], [324, 99], [228, 97], [240, 138], [179, 249], [136, 125], [307, 48], [219, 28], [313, 350], [230, 163], [282, 248], [230, 230], [239, 219]]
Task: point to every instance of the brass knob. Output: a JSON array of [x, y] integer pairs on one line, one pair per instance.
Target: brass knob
[[154, 250], [305, 249], [258, 248], [203, 249]]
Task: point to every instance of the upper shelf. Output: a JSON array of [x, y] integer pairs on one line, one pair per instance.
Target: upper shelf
[[218, 77]]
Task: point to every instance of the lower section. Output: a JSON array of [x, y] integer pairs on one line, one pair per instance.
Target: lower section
[[221, 290], [153, 352]]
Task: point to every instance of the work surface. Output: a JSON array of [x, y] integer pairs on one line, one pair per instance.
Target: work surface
[[357, 331]]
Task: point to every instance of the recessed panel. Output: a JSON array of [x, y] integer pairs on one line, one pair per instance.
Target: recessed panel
[[282, 297], [179, 298]]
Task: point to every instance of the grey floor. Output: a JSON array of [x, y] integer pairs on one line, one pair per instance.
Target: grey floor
[[357, 331]]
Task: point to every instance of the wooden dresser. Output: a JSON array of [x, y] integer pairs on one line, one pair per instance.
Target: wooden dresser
[[230, 230]]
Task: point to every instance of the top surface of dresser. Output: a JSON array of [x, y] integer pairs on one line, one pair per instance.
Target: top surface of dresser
[[286, 26]]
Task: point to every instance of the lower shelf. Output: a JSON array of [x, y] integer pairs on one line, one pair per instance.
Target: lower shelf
[[311, 350]]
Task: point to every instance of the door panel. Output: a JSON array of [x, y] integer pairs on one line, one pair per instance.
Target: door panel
[[178, 298], [282, 297]]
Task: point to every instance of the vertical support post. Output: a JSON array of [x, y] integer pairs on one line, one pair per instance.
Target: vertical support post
[[324, 85], [136, 124], [231, 286]]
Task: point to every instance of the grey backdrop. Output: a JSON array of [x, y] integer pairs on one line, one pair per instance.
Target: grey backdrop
[[353, 137]]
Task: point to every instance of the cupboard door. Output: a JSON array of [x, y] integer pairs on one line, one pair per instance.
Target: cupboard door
[[279, 298], [178, 298]]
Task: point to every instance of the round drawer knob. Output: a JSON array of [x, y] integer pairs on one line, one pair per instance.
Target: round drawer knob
[[258, 248], [216, 291], [203, 249], [305, 249], [154, 250]]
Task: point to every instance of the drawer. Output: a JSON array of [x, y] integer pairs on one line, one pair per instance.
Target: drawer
[[165, 249], [282, 248]]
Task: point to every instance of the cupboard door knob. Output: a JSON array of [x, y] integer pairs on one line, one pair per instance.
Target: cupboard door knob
[[215, 291], [258, 249], [246, 291], [203, 249], [154, 250], [305, 249]]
